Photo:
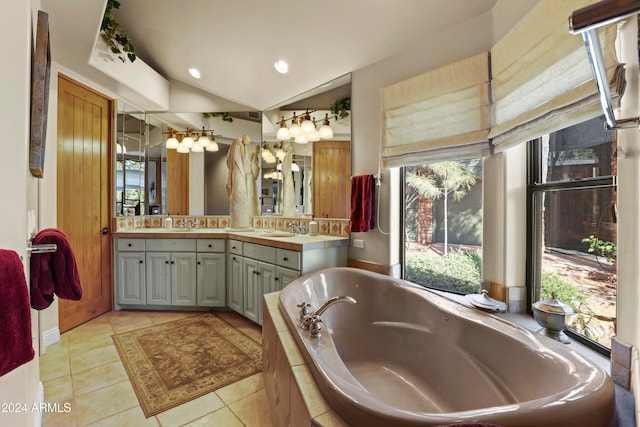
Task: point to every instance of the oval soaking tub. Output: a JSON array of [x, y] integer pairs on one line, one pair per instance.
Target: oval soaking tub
[[405, 356]]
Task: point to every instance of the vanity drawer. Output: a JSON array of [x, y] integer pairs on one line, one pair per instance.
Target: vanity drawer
[[171, 245], [210, 245], [124, 245], [288, 258], [235, 247], [260, 252]]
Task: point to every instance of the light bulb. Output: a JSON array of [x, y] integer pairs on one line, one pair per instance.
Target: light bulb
[[187, 141], [307, 125], [172, 142], [203, 140]]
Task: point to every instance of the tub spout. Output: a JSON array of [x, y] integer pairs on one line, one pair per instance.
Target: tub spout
[[328, 303]]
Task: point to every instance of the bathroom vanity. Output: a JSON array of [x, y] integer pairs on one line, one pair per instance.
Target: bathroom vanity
[[159, 269]]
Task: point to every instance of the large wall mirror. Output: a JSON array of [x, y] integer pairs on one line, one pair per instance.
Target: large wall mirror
[[318, 102], [151, 180]]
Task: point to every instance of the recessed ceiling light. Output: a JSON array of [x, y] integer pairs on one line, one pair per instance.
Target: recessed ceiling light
[[195, 73], [281, 66]]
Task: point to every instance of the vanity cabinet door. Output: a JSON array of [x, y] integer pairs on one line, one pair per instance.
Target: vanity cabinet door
[[235, 288], [130, 278], [252, 289], [158, 278], [183, 279], [284, 276], [267, 278], [211, 276]]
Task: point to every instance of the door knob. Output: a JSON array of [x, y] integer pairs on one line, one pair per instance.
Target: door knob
[[105, 230]]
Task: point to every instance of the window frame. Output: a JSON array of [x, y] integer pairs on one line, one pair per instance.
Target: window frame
[[534, 225]]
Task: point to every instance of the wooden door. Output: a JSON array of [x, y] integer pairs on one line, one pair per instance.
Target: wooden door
[[84, 132], [331, 179], [177, 183]]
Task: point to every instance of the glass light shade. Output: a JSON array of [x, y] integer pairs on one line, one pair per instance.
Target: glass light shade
[[182, 148], [283, 134], [313, 135], [294, 130], [121, 149], [295, 167], [197, 148], [203, 141], [301, 139], [325, 131], [187, 141], [307, 126], [213, 146], [172, 143]]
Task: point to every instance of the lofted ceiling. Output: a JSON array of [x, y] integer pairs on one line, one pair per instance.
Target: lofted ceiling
[[235, 43]]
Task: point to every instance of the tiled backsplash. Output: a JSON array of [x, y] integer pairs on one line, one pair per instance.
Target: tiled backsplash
[[326, 226]]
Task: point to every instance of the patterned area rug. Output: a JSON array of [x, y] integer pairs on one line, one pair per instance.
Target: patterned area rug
[[175, 362]]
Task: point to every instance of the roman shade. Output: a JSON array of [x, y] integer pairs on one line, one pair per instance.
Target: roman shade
[[541, 76], [440, 115]]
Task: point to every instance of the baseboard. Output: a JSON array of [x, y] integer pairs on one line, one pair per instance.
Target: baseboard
[[37, 419], [50, 336], [635, 379]]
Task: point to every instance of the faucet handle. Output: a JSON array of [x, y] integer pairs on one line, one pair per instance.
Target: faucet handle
[[314, 326], [302, 229], [292, 227], [304, 309]]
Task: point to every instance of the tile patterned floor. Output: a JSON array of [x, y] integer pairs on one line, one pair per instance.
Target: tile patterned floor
[[84, 371]]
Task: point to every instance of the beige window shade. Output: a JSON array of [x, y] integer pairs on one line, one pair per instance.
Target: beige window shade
[[439, 115], [541, 77]]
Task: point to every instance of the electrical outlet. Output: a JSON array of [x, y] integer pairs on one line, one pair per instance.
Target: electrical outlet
[[358, 243]]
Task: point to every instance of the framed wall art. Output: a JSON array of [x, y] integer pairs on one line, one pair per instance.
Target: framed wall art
[[40, 75]]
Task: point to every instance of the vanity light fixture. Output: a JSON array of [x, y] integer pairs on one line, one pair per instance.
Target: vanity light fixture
[[190, 140], [303, 128]]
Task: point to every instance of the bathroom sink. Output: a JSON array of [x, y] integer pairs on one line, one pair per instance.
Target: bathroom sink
[[278, 234]]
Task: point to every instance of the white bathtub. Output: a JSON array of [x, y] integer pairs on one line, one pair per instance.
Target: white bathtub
[[405, 356]]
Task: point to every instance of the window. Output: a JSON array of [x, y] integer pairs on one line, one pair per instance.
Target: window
[[572, 229], [443, 225]]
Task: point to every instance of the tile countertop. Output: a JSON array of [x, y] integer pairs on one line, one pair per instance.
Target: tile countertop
[[298, 242]]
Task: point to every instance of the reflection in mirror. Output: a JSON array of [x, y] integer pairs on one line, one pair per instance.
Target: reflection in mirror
[[321, 102], [196, 181], [131, 162]]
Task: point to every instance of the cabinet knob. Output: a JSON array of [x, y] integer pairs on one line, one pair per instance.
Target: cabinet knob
[[233, 247], [141, 262], [210, 245], [275, 279], [199, 263], [129, 244], [172, 262], [166, 262], [285, 259]]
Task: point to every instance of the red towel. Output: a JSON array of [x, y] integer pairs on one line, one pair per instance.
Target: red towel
[[53, 272], [363, 191], [16, 347]]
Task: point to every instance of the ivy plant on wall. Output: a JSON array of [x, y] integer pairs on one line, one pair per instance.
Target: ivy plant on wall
[[340, 109], [224, 116], [118, 41]]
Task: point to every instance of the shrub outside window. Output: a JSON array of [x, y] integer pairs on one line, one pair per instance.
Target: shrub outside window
[[443, 225]]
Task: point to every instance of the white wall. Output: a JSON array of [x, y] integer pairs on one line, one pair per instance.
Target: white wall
[[19, 188]]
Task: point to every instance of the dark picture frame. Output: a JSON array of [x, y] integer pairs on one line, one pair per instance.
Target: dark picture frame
[[40, 75]]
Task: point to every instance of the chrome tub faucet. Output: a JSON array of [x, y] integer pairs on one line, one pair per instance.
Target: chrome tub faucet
[[311, 320]]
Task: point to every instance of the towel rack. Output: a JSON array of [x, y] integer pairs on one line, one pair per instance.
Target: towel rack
[[42, 248]]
